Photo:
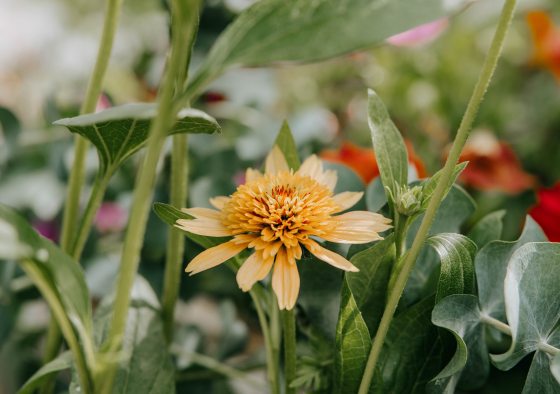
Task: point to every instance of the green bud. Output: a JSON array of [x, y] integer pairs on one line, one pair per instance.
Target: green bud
[[407, 200]]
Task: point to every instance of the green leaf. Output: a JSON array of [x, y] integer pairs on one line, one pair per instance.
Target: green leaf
[[119, 132], [491, 264], [148, 367], [412, 353], [532, 300], [555, 367], [456, 253], [285, 141], [362, 303], [59, 364], [388, 144], [273, 31], [375, 195], [429, 186], [488, 229], [470, 366], [347, 181], [60, 279]]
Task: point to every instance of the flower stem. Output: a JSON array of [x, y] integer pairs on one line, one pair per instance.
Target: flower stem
[[460, 139], [271, 359], [77, 175], [176, 240], [184, 15], [289, 321]]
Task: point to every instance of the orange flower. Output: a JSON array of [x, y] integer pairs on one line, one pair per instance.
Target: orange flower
[[546, 41], [362, 160], [493, 165], [276, 214]]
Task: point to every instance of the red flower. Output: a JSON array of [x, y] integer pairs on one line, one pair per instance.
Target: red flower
[[493, 165], [362, 160], [546, 41], [547, 211]]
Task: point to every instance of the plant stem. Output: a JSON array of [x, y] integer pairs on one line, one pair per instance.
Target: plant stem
[[186, 13], [176, 240], [289, 321], [76, 179], [271, 362], [462, 134]]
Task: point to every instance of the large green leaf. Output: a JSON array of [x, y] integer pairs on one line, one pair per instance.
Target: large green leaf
[[388, 144], [469, 367], [147, 367], [412, 353], [274, 31], [488, 229], [119, 132], [456, 253], [555, 367], [532, 301], [59, 364], [491, 264], [362, 303], [60, 279]]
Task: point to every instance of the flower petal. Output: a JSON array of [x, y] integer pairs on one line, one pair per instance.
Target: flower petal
[[205, 226], [330, 257], [202, 213], [255, 268], [346, 200], [275, 162], [252, 175], [214, 256], [219, 202], [357, 227], [285, 281], [313, 168]]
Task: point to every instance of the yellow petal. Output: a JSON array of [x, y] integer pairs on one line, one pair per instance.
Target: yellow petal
[[313, 168], [347, 200], [214, 256], [202, 213], [219, 201], [255, 268], [275, 162], [285, 281], [357, 227], [330, 257], [207, 227], [252, 175]]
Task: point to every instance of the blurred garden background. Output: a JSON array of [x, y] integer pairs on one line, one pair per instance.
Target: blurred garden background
[[47, 50]]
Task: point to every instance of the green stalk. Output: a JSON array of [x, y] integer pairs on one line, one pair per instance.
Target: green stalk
[[184, 16], [176, 240], [289, 321], [460, 139], [76, 180]]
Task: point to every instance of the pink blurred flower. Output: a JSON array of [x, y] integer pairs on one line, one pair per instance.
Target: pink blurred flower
[[111, 218], [47, 228], [419, 35], [103, 103]]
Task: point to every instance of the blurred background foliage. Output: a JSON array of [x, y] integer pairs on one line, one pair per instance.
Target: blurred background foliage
[[47, 50]]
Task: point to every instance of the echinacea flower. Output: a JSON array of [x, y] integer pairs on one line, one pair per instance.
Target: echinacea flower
[[493, 165], [363, 161], [546, 42], [277, 213], [547, 211]]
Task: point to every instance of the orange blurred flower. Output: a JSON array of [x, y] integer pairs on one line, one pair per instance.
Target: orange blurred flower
[[546, 41], [362, 160], [547, 211], [493, 165]]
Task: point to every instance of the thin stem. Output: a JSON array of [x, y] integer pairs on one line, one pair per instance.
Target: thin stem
[[176, 240], [187, 14], [497, 324], [271, 362], [94, 202], [289, 321], [275, 330], [462, 134], [77, 175]]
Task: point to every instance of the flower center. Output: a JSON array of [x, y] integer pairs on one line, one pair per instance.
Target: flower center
[[286, 207]]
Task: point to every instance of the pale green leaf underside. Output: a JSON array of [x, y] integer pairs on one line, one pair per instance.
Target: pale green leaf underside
[[119, 132], [488, 229], [59, 364]]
